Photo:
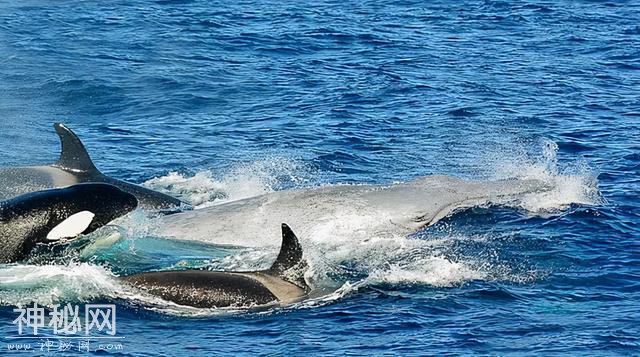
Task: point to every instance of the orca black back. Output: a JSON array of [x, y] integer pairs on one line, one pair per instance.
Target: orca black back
[[282, 283]]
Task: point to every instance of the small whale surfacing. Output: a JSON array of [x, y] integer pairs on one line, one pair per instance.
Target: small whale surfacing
[[283, 283]]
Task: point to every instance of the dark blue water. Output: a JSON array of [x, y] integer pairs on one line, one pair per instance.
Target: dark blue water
[[241, 98]]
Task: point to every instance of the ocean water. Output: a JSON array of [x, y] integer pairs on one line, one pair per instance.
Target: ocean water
[[217, 101]]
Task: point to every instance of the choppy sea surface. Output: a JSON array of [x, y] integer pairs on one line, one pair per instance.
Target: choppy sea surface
[[217, 101]]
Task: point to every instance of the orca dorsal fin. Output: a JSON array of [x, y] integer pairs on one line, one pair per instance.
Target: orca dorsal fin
[[290, 252], [73, 155], [290, 256]]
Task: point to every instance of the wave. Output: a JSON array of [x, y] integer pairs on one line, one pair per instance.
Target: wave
[[52, 284]]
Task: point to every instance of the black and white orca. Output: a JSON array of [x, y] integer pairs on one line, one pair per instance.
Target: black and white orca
[[283, 283], [54, 215], [73, 167]]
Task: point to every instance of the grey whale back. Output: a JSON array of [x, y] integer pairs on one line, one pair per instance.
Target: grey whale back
[[371, 210]]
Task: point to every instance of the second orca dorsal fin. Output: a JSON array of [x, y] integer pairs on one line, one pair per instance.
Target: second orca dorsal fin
[[290, 256], [73, 155]]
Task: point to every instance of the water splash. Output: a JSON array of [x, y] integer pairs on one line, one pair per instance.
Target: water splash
[[51, 284], [339, 265], [572, 182], [245, 180], [436, 271]]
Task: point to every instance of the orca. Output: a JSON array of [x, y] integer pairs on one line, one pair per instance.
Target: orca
[[75, 166], [58, 214], [343, 211], [281, 284]]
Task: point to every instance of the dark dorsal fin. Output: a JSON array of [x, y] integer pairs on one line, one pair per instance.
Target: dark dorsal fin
[[290, 256], [73, 156], [290, 252]]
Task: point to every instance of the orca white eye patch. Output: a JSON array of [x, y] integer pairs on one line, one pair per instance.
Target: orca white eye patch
[[71, 226]]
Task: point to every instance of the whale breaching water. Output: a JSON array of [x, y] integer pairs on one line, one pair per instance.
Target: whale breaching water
[[344, 210], [283, 283], [75, 166], [52, 215]]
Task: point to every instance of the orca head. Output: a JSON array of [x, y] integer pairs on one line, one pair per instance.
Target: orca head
[[54, 215], [83, 208]]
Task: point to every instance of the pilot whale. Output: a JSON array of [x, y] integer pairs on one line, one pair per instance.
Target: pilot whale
[[53, 215], [283, 283], [342, 210], [75, 166]]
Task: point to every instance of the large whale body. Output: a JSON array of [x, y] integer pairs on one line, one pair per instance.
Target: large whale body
[[74, 166], [53, 215], [344, 210]]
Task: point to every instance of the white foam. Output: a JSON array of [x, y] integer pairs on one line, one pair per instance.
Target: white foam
[[198, 190], [51, 284], [436, 271], [205, 188], [571, 182]]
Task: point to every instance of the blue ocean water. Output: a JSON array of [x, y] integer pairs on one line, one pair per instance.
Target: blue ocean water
[[224, 100]]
